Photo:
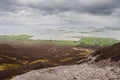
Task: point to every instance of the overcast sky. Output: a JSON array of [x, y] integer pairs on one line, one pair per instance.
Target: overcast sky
[[80, 12]]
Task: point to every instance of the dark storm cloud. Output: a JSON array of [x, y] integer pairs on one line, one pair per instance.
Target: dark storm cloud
[[97, 7], [55, 6], [104, 9], [6, 5]]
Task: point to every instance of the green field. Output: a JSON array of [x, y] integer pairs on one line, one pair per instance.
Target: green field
[[26, 40], [98, 41], [83, 41], [15, 37]]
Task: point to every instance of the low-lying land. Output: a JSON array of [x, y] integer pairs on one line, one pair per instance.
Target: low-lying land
[[20, 54], [26, 39]]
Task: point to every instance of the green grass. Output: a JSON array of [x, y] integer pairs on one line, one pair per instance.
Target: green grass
[[83, 41], [63, 42], [15, 37], [98, 41], [26, 40], [60, 42]]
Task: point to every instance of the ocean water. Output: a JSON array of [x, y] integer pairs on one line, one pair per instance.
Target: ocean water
[[61, 32]]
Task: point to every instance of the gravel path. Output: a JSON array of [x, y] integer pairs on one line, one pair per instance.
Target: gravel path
[[73, 72]]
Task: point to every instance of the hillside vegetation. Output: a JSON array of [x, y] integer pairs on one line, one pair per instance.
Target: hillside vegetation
[[26, 39]]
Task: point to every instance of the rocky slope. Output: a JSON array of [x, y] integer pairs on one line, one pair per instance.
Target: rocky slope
[[100, 65], [73, 72]]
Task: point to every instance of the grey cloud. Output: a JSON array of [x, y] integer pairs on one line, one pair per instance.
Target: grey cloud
[[102, 10], [46, 10], [56, 6], [6, 5], [53, 7]]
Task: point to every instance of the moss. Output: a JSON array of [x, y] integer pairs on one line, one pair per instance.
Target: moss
[[5, 66], [67, 59], [53, 63], [45, 61], [85, 53], [40, 60], [12, 58], [23, 62]]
